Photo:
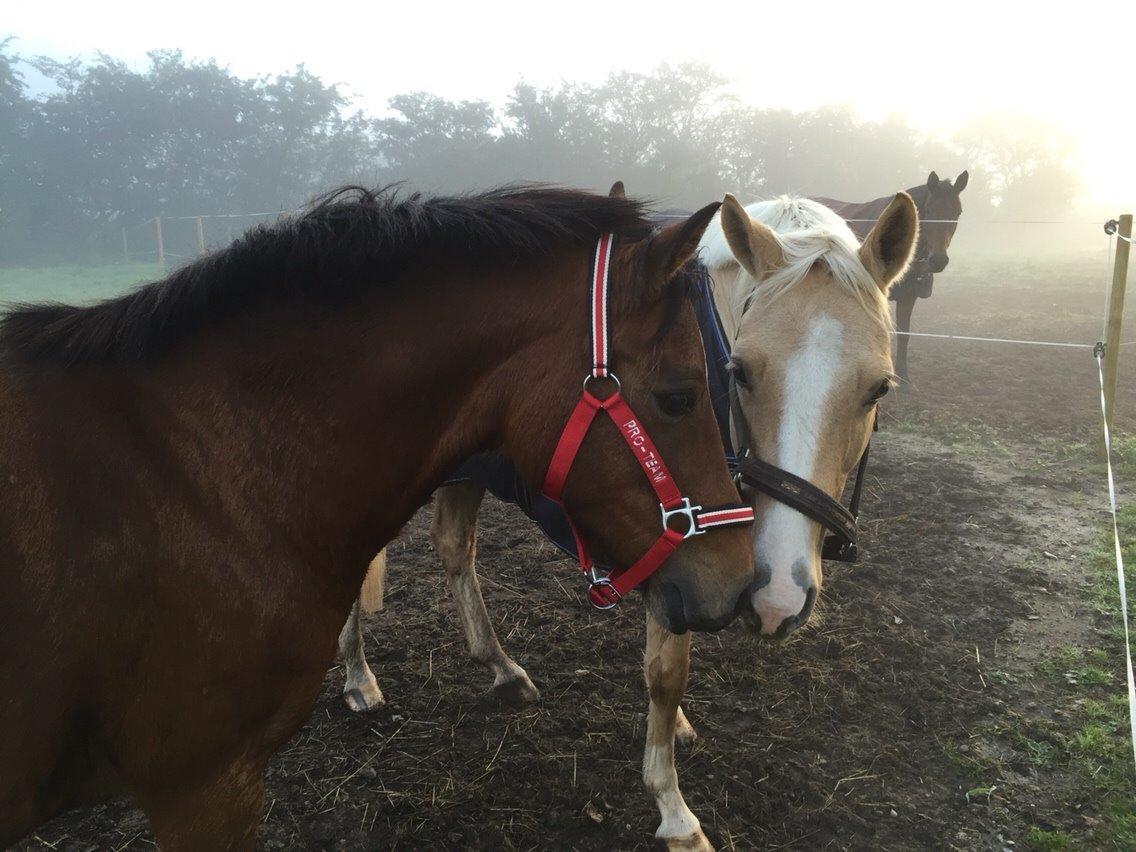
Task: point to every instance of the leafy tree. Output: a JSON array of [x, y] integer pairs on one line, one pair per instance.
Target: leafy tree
[[437, 143], [112, 146], [1023, 164]]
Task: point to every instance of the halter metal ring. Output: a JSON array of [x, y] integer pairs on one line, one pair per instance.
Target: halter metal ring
[[602, 593], [589, 377], [685, 510]]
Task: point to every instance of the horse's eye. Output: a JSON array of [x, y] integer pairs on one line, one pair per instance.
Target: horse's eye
[[675, 403], [739, 374], [880, 391]]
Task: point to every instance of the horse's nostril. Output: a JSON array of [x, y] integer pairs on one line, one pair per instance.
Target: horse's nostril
[[762, 576], [743, 604], [793, 622], [807, 609], [787, 627]]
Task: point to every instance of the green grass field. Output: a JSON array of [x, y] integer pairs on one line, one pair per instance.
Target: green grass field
[[72, 284]]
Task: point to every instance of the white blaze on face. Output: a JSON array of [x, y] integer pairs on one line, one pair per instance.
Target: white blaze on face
[[785, 544]]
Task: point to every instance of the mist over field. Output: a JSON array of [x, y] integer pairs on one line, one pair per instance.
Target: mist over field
[[93, 148]]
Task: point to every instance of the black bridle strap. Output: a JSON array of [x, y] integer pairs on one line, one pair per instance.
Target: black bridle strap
[[858, 488], [802, 495], [799, 494]]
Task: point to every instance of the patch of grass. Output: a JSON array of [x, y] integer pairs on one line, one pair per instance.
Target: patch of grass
[[1094, 740], [1063, 660], [1058, 452], [1100, 750], [1033, 741], [1124, 454], [1098, 656], [72, 284], [1106, 594], [1091, 675], [964, 437], [1048, 841], [980, 794], [1038, 742]]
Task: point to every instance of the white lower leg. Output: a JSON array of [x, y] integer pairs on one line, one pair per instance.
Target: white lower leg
[[661, 778], [360, 689], [666, 665], [482, 639], [455, 539]]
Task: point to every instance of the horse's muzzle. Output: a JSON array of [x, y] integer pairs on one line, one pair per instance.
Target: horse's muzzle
[[678, 609]]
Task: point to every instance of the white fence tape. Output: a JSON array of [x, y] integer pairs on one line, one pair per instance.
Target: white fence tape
[[994, 339], [1119, 561]]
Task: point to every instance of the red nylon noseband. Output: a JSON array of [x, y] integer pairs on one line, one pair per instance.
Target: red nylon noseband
[[606, 592]]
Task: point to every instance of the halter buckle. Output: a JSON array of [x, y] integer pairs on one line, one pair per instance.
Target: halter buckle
[[686, 510], [736, 476]]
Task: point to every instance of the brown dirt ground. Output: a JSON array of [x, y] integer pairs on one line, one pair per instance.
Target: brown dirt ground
[[867, 731]]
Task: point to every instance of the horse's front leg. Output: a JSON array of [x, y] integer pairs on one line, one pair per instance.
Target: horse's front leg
[[454, 532], [360, 689], [666, 666], [903, 308]]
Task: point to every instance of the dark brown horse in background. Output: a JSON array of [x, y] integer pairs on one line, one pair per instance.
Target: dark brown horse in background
[[939, 210], [195, 475]]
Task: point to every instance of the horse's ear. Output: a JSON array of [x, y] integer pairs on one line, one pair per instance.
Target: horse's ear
[[672, 247], [754, 245], [932, 180], [961, 181], [887, 250], [617, 190]]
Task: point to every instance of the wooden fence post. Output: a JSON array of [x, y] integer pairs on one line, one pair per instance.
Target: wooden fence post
[[1115, 316], [200, 237], [125, 250], [161, 245]]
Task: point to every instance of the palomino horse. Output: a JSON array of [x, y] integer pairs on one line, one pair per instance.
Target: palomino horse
[[805, 308], [939, 209], [196, 474]]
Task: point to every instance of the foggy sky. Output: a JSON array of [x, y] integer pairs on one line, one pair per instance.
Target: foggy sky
[[935, 64]]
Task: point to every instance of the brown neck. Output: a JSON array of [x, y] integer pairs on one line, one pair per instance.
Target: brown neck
[[329, 431]]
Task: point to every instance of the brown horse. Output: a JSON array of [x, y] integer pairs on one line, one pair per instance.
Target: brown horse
[[804, 308], [196, 474], [939, 210]]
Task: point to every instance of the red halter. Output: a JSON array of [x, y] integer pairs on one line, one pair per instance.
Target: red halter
[[606, 592]]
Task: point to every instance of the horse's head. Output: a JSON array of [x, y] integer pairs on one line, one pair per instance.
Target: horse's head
[[806, 308], [940, 208], [655, 351]]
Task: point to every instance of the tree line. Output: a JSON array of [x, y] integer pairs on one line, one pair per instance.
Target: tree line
[[109, 146]]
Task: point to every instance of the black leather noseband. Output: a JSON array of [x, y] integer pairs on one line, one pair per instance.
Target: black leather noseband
[[840, 544]]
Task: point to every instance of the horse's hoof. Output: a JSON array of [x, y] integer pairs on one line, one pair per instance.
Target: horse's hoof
[[362, 702], [516, 691], [696, 842], [685, 735]]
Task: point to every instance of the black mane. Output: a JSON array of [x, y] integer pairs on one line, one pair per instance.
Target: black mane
[[348, 240]]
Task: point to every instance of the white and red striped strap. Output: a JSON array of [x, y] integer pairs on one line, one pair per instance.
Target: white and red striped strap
[[727, 516], [601, 268]]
